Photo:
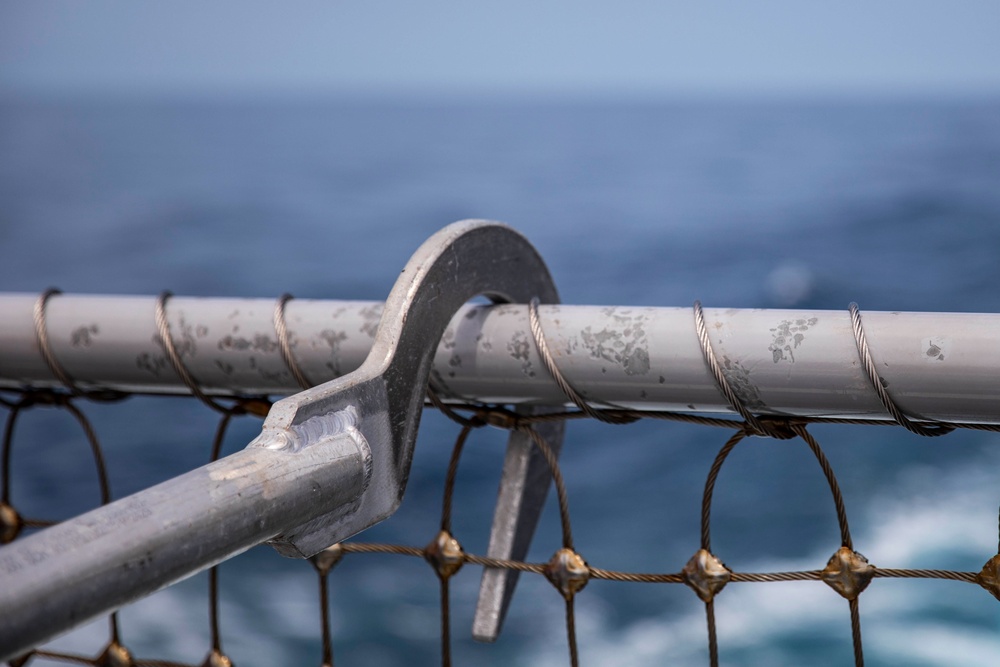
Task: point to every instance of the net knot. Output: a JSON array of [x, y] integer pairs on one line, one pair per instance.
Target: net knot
[[989, 576], [848, 573], [774, 427], [10, 523], [44, 397], [445, 555], [217, 659], [326, 559], [568, 572], [499, 418], [706, 575], [115, 655]]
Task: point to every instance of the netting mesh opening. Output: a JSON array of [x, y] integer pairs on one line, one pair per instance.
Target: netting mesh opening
[[387, 608]]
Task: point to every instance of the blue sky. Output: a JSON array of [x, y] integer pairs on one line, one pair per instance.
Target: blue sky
[[586, 46]]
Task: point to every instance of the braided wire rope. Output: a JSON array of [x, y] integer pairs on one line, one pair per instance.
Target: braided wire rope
[[323, 563], [284, 342], [831, 478], [713, 475], [713, 639], [861, 340], [167, 341], [481, 415], [542, 346], [42, 338], [708, 353], [443, 575], [859, 652]]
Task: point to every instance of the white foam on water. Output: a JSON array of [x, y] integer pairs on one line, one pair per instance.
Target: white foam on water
[[928, 518], [936, 644], [931, 519]]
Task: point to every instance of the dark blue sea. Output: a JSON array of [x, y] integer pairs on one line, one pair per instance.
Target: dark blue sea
[[811, 204]]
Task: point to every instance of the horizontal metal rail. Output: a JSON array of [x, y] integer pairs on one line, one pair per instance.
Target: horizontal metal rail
[[937, 366]]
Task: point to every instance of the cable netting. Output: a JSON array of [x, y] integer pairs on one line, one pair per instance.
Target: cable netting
[[847, 571]]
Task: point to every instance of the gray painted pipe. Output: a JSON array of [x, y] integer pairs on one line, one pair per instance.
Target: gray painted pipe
[[937, 366]]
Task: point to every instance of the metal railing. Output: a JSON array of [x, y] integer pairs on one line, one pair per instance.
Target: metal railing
[[333, 460]]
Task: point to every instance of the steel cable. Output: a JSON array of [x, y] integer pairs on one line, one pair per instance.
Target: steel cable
[[284, 342], [861, 341], [549, 362]]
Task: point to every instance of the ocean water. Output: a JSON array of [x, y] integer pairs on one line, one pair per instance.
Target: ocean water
[[812, 204]]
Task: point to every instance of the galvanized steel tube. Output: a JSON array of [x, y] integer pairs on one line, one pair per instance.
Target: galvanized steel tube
[[937, 366], [101, 560]]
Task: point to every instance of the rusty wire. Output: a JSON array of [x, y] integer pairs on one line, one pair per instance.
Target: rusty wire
[[713, 475], [713, 641], [444, 574], [859, 653]]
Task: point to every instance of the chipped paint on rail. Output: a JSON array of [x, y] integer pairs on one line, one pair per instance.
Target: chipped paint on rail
[[624, 344], [787, 337]]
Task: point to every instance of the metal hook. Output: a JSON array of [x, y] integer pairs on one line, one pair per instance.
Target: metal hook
[[329, 462], [462, 261]]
